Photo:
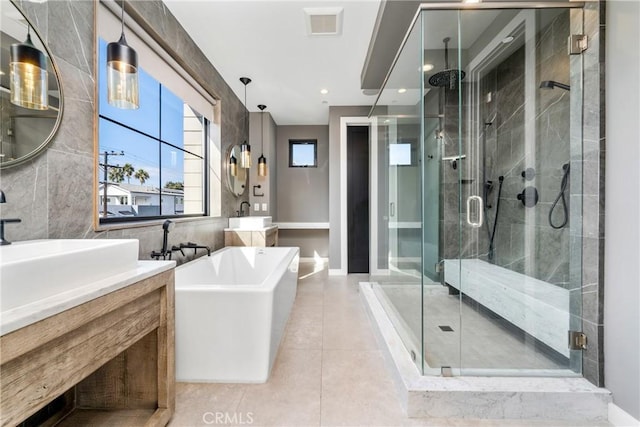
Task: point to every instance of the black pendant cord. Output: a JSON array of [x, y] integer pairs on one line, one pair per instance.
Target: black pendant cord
[[122, 18], [247, 110], [246, 114], [262, 108]]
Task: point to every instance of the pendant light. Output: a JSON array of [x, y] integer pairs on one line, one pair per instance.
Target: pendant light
[[122, 73], [262, 160], [233, 165], [28, 75], [245, 149]]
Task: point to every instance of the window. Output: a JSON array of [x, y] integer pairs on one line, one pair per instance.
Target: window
[[303, 153], [400, 154], [154, 156]]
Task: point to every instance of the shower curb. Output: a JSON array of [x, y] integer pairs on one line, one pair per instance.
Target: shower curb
[[529, 398]]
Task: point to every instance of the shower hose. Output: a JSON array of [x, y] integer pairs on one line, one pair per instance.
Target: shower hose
[[561, 197], [492, 233]]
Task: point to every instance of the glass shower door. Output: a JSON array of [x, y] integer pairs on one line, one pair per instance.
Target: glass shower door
[[519, 130]]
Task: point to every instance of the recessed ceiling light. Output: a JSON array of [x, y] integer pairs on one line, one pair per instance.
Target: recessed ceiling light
[[402, 90], [324, 91], [1, 73], [507, 39], [472, 1], [427, 67]]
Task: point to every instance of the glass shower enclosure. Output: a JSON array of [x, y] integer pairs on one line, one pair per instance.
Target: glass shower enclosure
[[479, 129]]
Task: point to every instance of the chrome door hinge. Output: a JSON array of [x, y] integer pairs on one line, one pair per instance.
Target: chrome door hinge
[[439, 266], [577, 340], [577, 43]]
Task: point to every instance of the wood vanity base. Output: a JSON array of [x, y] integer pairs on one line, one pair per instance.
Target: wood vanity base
[[111, 357]]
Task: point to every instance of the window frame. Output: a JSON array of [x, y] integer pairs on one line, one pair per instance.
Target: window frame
[[308, 141], [205, 176]]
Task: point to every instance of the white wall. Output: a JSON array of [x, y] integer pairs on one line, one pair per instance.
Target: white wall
[[622, 207]]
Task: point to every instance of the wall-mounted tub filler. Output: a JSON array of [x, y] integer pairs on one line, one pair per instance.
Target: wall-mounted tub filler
[[165, 251], [3, 241]]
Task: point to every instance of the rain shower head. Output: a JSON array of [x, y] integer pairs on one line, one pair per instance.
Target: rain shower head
[[446, 77], [550, 84]]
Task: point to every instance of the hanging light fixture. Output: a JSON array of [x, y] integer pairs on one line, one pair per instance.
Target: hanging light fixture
[[28, 75], [122, 73], [233, 165], [245, 149], [262, 160]]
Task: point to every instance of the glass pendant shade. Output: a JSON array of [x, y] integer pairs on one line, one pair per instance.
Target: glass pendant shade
[[262, 166], [233, 165], [28, 76], [122, 75], [262, 160], [245, 156]]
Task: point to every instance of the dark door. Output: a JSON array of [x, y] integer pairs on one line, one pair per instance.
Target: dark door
[[358, 198]]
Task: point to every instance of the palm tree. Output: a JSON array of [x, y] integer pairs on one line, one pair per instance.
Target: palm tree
[[141, 175], [116, 174], [128, 171], [174, 185]]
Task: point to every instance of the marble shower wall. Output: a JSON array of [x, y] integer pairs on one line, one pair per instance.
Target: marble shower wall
[[524, 241], [53, 194]]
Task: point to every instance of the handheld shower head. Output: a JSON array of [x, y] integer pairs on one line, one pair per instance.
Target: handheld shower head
[[550, 84]]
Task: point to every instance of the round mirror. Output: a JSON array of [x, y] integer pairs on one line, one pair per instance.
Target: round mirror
[[236, 176], [30, 90]]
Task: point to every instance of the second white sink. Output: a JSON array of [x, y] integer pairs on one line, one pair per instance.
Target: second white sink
[[34, 270], [250, 222]]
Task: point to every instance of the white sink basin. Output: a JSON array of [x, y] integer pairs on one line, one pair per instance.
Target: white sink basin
[[34, 270], [250, 222]]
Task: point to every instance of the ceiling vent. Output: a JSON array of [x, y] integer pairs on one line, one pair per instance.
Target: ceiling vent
[[323, 21]]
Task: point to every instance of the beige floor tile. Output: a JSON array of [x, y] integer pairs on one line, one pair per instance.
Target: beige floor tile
[[347, 331], [356, 390], [304, 329], [197, 403], [523, 423], [291, 397]]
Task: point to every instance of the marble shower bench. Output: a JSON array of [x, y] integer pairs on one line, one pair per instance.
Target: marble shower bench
[[537, 307]]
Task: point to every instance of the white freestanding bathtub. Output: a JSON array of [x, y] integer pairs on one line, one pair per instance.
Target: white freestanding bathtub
[[231, 311]]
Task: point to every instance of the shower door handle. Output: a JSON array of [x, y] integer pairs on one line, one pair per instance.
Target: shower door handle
[[480, 213], [392, 209]]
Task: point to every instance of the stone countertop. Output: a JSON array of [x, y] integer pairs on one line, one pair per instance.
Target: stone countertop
[[25, 315], [270, 227]]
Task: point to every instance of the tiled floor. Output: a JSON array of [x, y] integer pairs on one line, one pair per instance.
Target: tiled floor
[[329, 371], [478, 340]]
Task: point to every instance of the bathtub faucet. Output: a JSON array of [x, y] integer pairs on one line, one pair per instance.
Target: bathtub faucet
[[165, 251], [195, 247]]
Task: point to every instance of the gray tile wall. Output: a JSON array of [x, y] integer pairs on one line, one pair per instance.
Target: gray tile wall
[[54, 193]]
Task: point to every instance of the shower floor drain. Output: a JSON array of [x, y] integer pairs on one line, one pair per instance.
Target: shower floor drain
[[445, 328]]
